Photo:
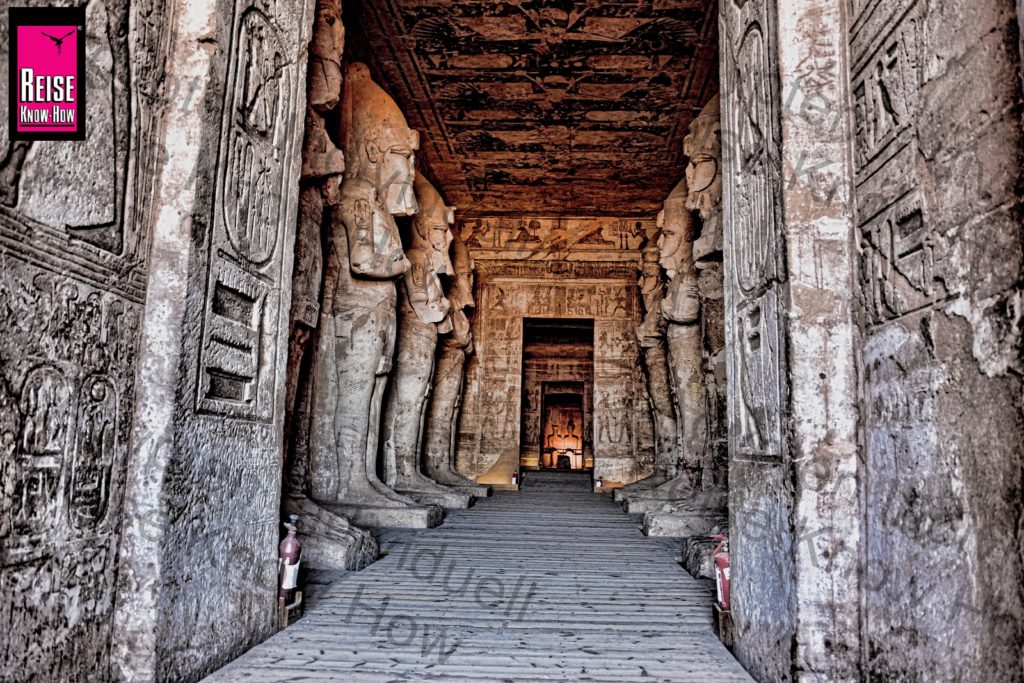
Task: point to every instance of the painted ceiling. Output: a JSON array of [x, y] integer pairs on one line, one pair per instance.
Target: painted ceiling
[[554, 107]]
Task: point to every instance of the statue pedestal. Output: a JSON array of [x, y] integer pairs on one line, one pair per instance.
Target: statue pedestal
[[475, 490], [451, 500], [410, 517], [672, 490], [329, 541], [684, 521], [646, 484]]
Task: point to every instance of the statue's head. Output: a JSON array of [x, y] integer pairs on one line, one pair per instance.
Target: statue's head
[[704, 148], [432, 226], [650, 257], [676, 223], [461, 291], [379, 145], [325, 53]]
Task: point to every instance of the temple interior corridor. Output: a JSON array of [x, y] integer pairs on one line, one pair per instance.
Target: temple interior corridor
[[554, 582], [688, 333]]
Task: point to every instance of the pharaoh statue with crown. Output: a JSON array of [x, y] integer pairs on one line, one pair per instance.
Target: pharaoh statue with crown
[[423, 312], [356, 336]]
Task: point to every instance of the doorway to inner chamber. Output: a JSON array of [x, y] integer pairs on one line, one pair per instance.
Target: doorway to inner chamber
[[558, 396], [562, 429]]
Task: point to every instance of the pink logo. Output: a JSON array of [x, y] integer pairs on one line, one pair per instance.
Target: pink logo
[[47, 79]]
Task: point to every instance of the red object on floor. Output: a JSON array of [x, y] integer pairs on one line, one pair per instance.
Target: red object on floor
[[721, 556]]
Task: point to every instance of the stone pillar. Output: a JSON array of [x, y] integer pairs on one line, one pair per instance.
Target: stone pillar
[[423, 307], [197, 582], [651, 337], [449, 380], [685, 339], [74, 225], [328, 540], [788, 227], [698, 514], [356, 335]]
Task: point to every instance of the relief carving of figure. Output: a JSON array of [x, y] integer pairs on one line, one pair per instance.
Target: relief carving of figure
[[422, 308]]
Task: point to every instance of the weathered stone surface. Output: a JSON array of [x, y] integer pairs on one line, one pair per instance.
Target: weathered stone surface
[[72, 283], [937, 146], [198, 561], [760, 497]]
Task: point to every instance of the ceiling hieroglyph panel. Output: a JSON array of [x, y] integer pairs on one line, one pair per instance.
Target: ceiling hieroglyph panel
[[549, 107]]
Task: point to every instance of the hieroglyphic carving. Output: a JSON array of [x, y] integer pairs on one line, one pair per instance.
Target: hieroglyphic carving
[[65, 428], [897, 250], [555, 238], [237, 356], [95, 452], [752, 228]]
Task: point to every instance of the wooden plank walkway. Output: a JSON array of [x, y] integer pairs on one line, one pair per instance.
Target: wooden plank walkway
[[553, 583]]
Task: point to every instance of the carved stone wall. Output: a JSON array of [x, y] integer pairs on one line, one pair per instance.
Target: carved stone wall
[[197, 582], [760, 491], [73, 258], [937, 100], [488, 446]]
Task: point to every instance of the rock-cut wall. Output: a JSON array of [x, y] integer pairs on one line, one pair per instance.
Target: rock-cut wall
[[74, 219], [937, 102]]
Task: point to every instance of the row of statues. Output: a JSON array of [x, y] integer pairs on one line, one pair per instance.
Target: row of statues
[[370, 317], [380, 337], [682, 336]]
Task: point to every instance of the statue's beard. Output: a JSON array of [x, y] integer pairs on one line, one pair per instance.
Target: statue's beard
[[401, 200]]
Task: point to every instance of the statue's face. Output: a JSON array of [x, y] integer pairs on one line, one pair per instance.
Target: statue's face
[[397, 172], [441, 241], [328, 44], [650, 270], [704, 173], [676, 231]]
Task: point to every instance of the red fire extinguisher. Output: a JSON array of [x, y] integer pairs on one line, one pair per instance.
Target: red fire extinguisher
[[288, 564], [721, 556]]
